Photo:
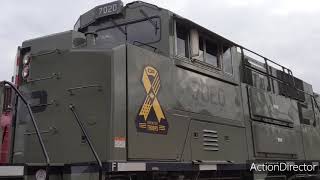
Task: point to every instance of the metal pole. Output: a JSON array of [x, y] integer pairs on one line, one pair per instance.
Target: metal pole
[[72, 108]]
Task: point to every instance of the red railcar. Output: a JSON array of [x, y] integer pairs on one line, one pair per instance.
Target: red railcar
[[6, 126]]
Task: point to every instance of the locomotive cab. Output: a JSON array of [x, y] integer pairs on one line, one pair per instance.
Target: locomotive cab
[[138, 23]]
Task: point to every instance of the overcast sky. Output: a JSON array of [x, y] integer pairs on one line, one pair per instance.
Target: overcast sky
[[287, 31]]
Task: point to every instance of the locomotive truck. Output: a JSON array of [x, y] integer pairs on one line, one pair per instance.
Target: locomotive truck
[[139, 92]]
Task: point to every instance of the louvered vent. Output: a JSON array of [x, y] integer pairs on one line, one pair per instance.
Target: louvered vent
[[210, 140]]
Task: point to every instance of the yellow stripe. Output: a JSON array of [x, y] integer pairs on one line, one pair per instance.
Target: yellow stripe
[[156, 88], [157, 82], [156, 79], [146, 82]]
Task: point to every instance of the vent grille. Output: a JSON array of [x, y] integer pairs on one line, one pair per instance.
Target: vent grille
[[210, 140]]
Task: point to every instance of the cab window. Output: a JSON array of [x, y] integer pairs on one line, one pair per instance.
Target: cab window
[[145, 32], [213, 52], [201, 49], [110, 38], [208, 52], [182, 42]]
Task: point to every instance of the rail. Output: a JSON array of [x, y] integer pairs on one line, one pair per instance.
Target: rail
[[284, 69], [54, 75], [316, 102], [71, 90], [35, 125], [270, 76], [94, 152], [145, 44]]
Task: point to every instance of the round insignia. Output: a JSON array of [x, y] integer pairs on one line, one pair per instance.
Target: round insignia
[[41, 174]]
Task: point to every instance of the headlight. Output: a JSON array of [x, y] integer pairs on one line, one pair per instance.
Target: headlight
[[25, 72], [26, 59]]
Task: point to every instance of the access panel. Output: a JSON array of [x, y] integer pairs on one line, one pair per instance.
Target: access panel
[[275, 141], [265, 106], [217, 142]]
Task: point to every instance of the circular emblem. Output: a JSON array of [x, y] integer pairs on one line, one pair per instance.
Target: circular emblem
[[41, 174]]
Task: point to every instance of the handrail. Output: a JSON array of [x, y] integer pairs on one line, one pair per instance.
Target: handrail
[[70, 90], [316, 102], [283, 67], [293, 85], [266, 60], [95, 154], [285, 70], [277, 79], [264, 73], [44, 150], [145, 44]]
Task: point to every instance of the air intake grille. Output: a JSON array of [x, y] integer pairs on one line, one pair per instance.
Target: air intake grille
[[210, 140]]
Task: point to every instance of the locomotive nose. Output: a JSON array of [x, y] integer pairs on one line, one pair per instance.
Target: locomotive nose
[[81, 77]]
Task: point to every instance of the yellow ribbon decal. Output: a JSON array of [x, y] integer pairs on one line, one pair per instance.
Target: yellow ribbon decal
[[151, 83]]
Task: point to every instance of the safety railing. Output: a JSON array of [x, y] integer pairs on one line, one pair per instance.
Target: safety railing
[[316, 102], [268, 74]]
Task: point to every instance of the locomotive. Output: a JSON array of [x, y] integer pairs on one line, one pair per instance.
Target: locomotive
[[139, 92]]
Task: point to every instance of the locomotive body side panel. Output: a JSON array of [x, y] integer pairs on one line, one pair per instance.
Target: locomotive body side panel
[[147, 140], [216, 142], [117, 137], [310, 124], [86, 87], [272, 106], [272, 141], [272, 120], [182, 95]]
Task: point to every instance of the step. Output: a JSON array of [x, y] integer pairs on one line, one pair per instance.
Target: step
[[11, 172]]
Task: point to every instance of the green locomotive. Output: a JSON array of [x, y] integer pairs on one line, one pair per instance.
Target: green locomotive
[[139, 92]]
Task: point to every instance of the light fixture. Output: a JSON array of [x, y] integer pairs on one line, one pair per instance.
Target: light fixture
[[26, 59], [25, 72]]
